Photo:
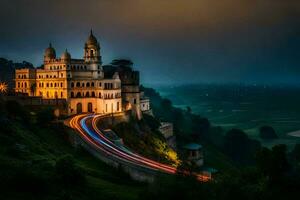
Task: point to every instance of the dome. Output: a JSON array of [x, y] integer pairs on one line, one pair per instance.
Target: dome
[[50, 52], [66, 55], [92, 40]]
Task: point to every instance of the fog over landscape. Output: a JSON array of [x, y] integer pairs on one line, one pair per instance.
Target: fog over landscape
[[247, 41]]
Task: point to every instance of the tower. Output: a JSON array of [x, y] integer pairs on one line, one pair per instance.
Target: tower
[[49, 54], [92, 50]]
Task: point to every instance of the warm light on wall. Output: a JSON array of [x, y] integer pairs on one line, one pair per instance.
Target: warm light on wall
[[3, 87]]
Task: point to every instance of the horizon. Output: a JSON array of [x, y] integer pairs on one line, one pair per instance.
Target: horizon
[[169, 42]]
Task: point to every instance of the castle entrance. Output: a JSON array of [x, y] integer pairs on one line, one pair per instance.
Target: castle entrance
[[79, 108], [90, 107]]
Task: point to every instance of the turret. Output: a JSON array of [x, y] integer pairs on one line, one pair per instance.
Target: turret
[[92, 50], [49, 53]]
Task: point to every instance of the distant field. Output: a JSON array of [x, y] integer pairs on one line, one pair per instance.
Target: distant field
[[247, 108]]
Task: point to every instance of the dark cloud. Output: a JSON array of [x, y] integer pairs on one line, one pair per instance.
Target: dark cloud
[[170, 41]]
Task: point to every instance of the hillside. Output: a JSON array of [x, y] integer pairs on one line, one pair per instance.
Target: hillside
[[37, 161]]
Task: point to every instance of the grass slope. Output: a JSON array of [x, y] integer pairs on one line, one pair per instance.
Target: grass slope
[[28, 156]]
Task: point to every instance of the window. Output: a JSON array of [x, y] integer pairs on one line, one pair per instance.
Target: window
[[92, 85], [87, 94], [134, 101], [78, 94], [61, 75], [72, 94], [61, 84], [93, 94], [87, 84], [72, 84], [61, 94], [77, 84]]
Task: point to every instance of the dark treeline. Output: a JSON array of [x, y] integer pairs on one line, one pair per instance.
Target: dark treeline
[[7, 70], [260, 173]]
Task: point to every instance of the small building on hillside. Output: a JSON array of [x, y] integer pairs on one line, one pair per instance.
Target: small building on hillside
[[194, 154], [145, 104], [166, 128]]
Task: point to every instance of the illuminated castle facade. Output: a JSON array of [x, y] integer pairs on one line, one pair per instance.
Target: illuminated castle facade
[[82, 83]]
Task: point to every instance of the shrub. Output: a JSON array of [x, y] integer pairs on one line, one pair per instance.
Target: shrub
[[267, 132]]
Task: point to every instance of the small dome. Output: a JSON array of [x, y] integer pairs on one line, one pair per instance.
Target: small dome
[[50, 52], [92, 40], [116, 75], [66, 55]]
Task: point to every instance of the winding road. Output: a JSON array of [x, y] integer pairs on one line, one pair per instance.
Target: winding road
[[86, 127]]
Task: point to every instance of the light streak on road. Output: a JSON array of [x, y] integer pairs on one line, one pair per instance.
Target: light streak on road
[[93, 136]]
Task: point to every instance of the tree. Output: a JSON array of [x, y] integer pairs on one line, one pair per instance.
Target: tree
[[267, 132], [239, 147], [272, 163], [122, 63], [296, 153]]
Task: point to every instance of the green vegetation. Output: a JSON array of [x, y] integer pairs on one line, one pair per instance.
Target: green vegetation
[[245, 107], [267, 133], [38, 162], [144, 138]]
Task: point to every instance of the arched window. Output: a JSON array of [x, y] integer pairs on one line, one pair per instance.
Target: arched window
[[50, 67], [81, 67], [61, 94], [78, 94], [55, 85], [78, 84], [87, 84], [72, 84], [99, 94], [93, 94], [18, 84], [51, 84], [87, 94], [72, 94], [25, 84], [82, 85], [61, 84], [92, 84], [85, 67]]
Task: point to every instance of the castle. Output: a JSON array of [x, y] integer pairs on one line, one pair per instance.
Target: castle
[[84, 84]]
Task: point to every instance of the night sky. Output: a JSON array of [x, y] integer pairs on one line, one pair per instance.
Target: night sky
[[170, 41]]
